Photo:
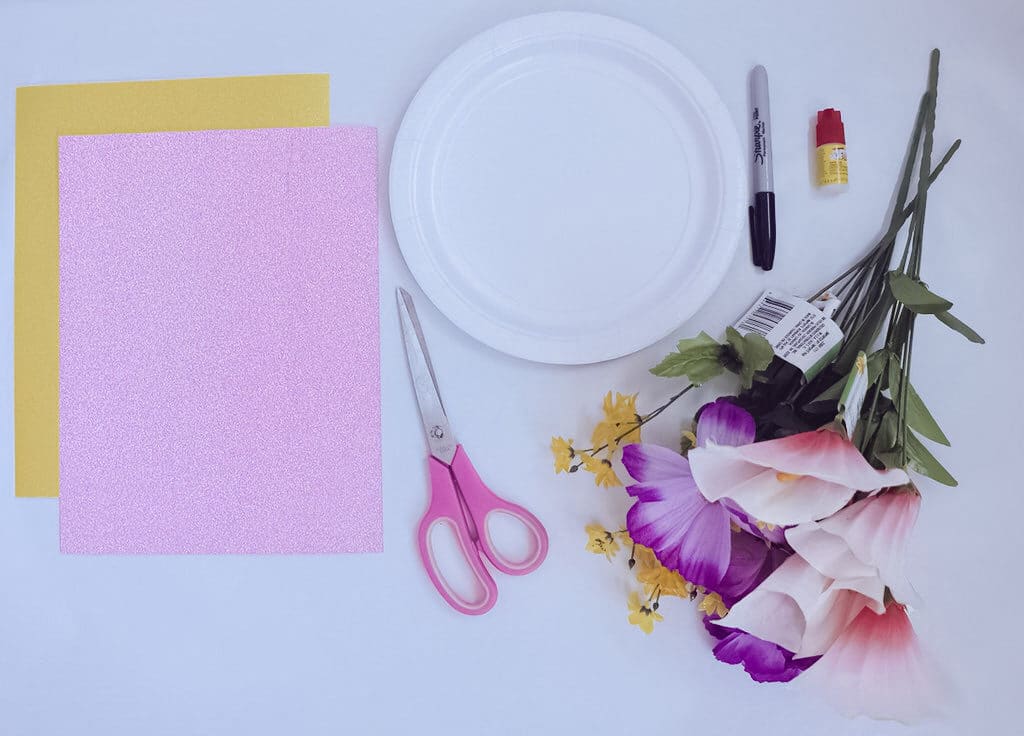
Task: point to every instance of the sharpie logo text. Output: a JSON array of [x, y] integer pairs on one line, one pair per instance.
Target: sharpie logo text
[[759, 133]]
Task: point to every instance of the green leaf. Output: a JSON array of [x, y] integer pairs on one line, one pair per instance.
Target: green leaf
[[876, 362], [922, 461], [919, 459], [895, 373], [832, 393], [917, 415], [954, 324], [698, 370], [887, 433], [697, 358], [752, 350], [865, 428], [703, 342], [889, 459], [915, 296], [921, 420], [880, 436]]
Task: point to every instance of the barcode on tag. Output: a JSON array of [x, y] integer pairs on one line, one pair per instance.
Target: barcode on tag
[[798, 332], [765, 315]]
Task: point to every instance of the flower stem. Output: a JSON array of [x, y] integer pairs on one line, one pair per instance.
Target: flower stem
[[633, 426], [899, 218]]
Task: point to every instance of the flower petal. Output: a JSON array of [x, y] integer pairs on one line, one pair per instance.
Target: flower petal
[[775, 610], [828, 553], [762, 660], [769, 532], [762, 492], [868, 538], [688, 534], [834, 611], [877, 668], [800, 609], [792, 480], [703, 556], [647, 463], [718, 469], [750, 562], [823, 454], [723, 423]]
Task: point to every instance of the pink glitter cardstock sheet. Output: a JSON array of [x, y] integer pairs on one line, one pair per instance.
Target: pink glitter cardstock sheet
[[219, 342]]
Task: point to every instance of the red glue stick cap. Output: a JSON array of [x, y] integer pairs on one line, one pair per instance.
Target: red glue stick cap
[[829, 128]]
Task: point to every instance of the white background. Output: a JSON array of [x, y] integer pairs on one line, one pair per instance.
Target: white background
[[362, 644]]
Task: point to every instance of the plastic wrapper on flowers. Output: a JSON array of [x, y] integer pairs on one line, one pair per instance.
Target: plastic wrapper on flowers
[[785, 513]]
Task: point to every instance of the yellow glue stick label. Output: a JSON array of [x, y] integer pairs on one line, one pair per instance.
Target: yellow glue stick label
[[832, 164]]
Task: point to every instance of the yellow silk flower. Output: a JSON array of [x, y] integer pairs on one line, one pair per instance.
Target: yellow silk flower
[[642, 616], [563, 452], [656, 576], [712, 605], [687, 441], [604, 474], [600, 541], [619, 414]]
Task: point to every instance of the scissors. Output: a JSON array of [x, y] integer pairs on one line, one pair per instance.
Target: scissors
[[457, 495]]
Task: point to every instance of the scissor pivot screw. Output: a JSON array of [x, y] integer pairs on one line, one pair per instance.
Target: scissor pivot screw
[[436, 432]]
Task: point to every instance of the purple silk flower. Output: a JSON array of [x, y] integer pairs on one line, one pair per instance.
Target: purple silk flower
[[762, 660], [751, 562], [695, 537], [688, 533]]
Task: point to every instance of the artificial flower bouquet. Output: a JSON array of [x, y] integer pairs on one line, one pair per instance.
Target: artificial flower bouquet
[[786, 511]]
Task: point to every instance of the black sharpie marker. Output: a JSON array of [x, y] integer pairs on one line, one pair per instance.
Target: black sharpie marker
[[762, 212]]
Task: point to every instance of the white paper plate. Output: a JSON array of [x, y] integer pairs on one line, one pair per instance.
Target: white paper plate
[[567, 188]]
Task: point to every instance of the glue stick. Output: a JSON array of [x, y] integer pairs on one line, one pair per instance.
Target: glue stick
[[830, 138]]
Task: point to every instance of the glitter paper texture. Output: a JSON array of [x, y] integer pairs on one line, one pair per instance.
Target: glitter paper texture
[[46, 111], [219, 355]]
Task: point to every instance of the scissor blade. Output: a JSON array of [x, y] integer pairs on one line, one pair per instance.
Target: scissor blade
[[435, 422]]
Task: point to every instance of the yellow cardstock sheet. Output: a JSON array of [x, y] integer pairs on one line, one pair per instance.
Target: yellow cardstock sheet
[[43, 114]]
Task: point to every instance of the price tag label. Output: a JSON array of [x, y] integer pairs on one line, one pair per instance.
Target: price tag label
[[799, 333]]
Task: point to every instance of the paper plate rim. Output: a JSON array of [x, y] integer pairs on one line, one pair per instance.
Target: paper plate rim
[[616, 341]]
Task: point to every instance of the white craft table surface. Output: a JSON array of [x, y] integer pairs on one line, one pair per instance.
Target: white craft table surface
[[362, 643]]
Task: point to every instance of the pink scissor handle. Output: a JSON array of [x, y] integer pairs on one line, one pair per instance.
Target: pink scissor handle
[[483, 502], [445, 509]]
